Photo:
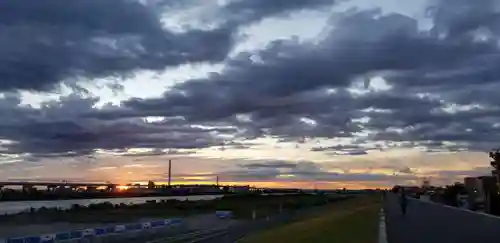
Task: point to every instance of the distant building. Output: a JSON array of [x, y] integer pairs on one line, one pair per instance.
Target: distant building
[[473, 188], [490, 191], [481, 191]]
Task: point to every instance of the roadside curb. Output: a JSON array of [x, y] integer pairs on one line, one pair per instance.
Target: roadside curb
[[382, 233]]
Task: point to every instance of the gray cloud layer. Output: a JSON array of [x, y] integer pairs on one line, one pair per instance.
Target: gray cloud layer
[[289, 89], [44, 43], [301, 171]]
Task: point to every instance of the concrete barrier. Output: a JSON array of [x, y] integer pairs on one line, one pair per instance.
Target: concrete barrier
[[93, 234]]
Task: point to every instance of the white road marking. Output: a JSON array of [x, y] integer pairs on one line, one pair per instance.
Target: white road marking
[[382, 233]]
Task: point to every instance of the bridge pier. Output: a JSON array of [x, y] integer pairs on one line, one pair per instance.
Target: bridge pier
[[91, 189], [51, 188], [111, 188], [62, 189], [28, 188]]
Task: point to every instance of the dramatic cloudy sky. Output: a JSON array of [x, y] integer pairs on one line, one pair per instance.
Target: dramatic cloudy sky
[[290, 93]]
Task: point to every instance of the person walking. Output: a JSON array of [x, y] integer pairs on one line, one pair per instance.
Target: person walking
[[403, 201]]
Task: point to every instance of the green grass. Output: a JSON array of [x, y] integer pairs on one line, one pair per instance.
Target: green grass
[[347, 222]]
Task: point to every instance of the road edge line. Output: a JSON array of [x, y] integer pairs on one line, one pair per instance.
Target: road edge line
[[382, 231]]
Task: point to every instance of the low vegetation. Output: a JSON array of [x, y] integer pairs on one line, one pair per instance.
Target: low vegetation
[[242, 207], [353, 221]]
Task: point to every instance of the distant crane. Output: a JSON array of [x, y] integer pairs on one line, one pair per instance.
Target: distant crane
[[169, 172]]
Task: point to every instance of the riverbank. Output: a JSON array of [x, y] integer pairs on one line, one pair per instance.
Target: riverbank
[[242, 206], [10, 195], [19, 196], [25, 206]]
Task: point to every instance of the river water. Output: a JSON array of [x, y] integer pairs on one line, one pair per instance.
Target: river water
[[16, 207]]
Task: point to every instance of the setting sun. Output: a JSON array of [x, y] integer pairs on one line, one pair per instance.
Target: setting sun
[[122, 188]]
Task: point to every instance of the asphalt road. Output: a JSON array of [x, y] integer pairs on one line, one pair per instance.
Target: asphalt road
[[427, 222]]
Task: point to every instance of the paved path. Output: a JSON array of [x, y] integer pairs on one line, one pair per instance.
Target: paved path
[[427, 222]]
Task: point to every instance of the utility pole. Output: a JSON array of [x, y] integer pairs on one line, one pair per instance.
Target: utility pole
[[169, 172], [217, 181]]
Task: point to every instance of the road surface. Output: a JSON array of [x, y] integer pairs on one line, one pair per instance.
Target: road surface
[[427, 222]]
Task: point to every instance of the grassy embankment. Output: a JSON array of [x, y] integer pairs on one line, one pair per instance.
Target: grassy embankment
[[242, 207], [352, 221]]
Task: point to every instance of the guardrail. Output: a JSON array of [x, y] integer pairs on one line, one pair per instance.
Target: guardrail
[[195, 236], [91, 233]]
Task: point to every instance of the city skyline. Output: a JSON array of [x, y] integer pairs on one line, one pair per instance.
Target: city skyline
[[301, 94]]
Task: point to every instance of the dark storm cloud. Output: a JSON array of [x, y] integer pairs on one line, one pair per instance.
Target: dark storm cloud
[[304, 171], [464, 23], [271, 164], [290, 90], [43, 43], [359, 44], [474, 128], [336, 147], [288, 171], [284, 83], [57, 129], [349, 149], [456, 17], [267, 116]]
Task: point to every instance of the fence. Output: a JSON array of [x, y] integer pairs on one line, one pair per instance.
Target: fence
[[88, 235]]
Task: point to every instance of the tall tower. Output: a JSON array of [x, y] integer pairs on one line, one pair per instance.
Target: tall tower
[[169, 172], [217, 181]]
